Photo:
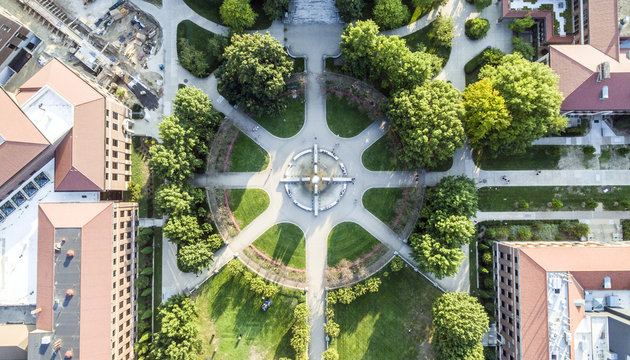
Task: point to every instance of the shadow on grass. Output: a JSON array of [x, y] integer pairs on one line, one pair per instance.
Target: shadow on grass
[[286, 246]]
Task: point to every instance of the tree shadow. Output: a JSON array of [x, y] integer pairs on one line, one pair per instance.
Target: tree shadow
[[287, 244]]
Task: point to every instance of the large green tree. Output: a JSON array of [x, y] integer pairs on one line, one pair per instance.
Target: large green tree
[[194, 110], [459, 321], [166, 163], [427, 119], [531, 96], [177, 337], [434, 257], [522, 24], [400, 68], [191, 59], [523, 48], [255, 72], [275, 8], [453, 231], [237, 14], [193, 258], [390, 14], [444, 30], [172, 199], [451, 196], [183, 230], [358, 46], [486, 115], [349, 10]]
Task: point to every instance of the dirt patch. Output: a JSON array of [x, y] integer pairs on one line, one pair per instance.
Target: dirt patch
[[347, 273], [573, 159], [614, 158]]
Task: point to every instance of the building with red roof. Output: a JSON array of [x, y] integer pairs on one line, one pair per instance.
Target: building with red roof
[[562, 300]]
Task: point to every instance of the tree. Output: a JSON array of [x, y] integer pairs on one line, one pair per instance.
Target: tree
[[358, 46], [486, 115], [451, 196], [434, 257], [191, 59], [300, 330], [477, 28], [193, 258], [177, 337], [349, 10], [172, 199], [237, 14], [194, 110], [427, 119], [531, 96], [400, 68], [523, 48], [135, 191], [480, 4], [522, 24], [330, 354], [255, 72], [390, 14], [459, 322], [183, 229], [444, 31], [453, 231], [274, 9], [168, 164]]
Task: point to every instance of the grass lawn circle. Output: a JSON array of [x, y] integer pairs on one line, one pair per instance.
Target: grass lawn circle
[[344, 116], [349, 241]]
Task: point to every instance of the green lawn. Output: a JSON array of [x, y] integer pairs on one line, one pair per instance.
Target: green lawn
[[227, 309], [381, 156], [284, 243], [426, 36], [375, 326], [504, 198], [210, 10], [344, 117], [349, 241], [247, 204], [384, 203], [287, 124], [198, 37], [535, 158], [140, 176], [247, 155]]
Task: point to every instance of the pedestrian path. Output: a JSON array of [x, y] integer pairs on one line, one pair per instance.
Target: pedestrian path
[[550, 215]]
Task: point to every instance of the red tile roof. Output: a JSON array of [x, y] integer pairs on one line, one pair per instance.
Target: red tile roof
[[22, 140], [95, 221], [80, 160]]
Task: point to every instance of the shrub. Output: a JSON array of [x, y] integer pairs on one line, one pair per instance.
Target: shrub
[[482, 247], [524, 233], [623, 151], [589, 152], [491, 233], [574, 230], [444, 26], [142, 282], [522, 204], [346, 295], [489, 307], [390, 14], [146, 292], [477, 28], [349, 10], [502, 232], [520, 25], [144, 337], [275, 8], [146, 231], [591, 204], [488, 283], [486, 258], [397, 264], [143, 326], [480, 4], [330, 354], [556, 204], [147, 271], [234, 268], [483, 271], [523, 48], [147, 250], [332, 329], [146, 314], [237, 14], [135, 191], [300, 330]]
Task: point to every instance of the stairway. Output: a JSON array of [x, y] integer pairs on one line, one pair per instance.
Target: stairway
[[313, 12]]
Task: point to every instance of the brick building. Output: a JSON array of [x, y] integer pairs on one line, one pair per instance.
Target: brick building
[[16, 45], [86, 300], [554, 299]]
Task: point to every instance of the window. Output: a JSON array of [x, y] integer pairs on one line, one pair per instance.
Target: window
[[127, 146], [121, 293], [127, 157], [122, 247], [516, 259], [115, 115], [114, 251], [121, 281], [509, 257], [122, 224], [114, 126], [106, 123], [127, 167], [502, 278], [511, 333], [510, 308], [517, 298], [127, 177], [5, 28], [128, 246], [115, 154], [20, 36], [502, 303], [115, 142], [502, 315], [509, 269], [106, 176], [114, 296], [502, 292], [122, 236], [120, 305], [122, 258], [515, 272], [502, 267], [509, 294], [106, 112], [12, 47], [510, 320], [509, 282], [518, 313], [128, 212]]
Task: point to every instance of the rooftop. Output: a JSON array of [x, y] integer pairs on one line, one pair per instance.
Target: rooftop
[[18, 241], [52, 114]]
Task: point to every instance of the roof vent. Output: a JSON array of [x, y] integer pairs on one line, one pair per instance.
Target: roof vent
[[607, 284], [613, 301], [603, 71], [604, 95]]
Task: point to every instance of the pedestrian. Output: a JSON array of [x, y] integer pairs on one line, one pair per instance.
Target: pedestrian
[[240, 336]]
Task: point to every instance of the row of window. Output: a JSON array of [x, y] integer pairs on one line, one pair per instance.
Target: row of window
[[122, 213], [115, 153]]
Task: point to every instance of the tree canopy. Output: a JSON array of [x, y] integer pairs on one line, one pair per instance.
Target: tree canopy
[[486, 114], [237, 14], [459, 321], [451, 196], [477, 28], [275, 8], [350, 10], [533, 99], [522, 24], [177, 337], [427, 119], [194, 258], [523, 48], [434, 257], [444, 31], [191, 59], [172, 199], [255, 72], [390, 14]]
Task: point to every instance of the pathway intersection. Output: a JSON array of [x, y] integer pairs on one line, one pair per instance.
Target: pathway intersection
[[315, 42]]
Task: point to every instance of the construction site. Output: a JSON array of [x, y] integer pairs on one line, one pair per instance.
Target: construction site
[[106, 40]]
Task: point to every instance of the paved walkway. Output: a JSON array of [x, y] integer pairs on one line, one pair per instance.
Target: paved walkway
[[550, 215], [151, 222], [464, 49]]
